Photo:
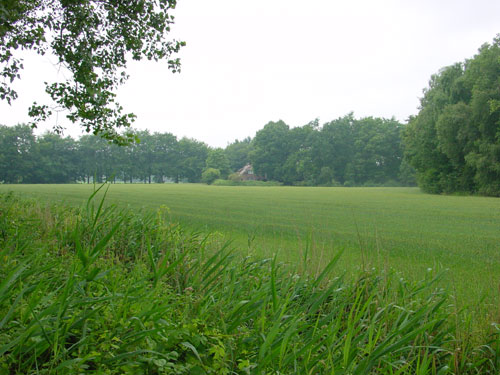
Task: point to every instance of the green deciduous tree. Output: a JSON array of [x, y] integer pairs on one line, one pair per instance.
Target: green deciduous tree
[[93, 41], [144, 155], [270, 150], [57, 159], [299, 168], [238, 152], [217, 159], [166, 151], [333, 147], [18, 154], [454, 141], [192, 156], [94, 158]]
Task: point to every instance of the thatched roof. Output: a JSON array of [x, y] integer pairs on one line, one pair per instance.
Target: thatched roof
[[247, 169]]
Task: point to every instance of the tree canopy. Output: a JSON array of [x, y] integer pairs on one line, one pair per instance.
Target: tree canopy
[[93, 40], [346, 151], [454, 141]]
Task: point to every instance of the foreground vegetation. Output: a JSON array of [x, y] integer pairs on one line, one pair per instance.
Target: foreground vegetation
[[385, 228], [113, 290]]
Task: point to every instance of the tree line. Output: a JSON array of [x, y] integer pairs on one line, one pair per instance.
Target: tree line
[[451, 145], [51, 158], [346, 151]]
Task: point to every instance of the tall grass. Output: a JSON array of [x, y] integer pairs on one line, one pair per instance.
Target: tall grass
[[103, 290]]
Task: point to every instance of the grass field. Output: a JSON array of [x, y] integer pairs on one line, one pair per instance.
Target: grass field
[[387, 228]]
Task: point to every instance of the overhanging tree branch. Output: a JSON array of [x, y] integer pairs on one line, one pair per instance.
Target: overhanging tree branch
[[93, 40]]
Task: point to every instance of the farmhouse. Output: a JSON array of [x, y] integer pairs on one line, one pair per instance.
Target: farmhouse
[[246, 173]]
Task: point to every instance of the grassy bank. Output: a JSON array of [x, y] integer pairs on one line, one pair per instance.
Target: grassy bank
[[109, 290]]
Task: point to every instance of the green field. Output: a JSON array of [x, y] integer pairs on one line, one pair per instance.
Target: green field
[[398, 229]]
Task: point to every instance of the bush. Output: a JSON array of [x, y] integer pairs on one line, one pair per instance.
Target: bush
[[220, 182], [332, 183], [304, 183], [236, 177], [209, 175]]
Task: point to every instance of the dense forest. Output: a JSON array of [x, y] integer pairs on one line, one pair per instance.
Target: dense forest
[[346, 151]]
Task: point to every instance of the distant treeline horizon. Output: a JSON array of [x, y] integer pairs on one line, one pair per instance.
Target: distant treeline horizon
[[345, 152], [451, 146]]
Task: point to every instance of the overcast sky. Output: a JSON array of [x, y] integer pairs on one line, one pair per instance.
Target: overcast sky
[[250, 62]]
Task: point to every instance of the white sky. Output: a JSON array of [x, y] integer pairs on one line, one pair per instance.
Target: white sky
[[250, 62]]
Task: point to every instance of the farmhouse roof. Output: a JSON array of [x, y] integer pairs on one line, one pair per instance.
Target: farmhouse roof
[[247, 169]]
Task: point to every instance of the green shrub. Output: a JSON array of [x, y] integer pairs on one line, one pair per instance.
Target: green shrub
[[236, 177], [220, 182], [209, 175]]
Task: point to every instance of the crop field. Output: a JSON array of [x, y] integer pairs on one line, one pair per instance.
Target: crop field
[[396, 230], [253, 280]]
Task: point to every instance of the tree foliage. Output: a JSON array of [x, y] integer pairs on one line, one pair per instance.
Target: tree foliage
[[346, 151], [237, 153], [50, 158], [217, 159], [17, 154], [271, 149], [209, 175], [93, 40], [454, 141]]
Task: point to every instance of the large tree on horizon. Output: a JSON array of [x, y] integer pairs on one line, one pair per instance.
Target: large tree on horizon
[[454, 141]]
